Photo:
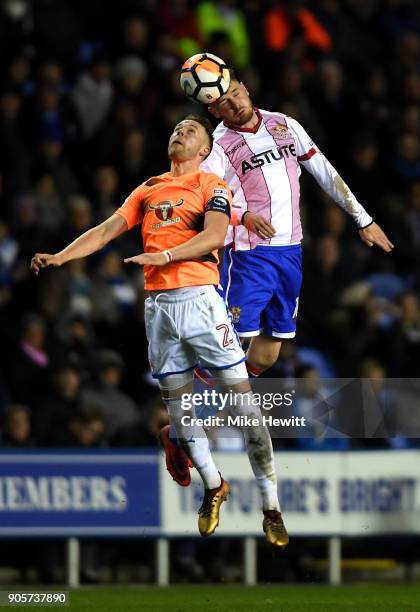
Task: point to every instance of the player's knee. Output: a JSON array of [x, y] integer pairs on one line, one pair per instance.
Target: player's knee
[[176, 385], [264, 361], [263, 354]]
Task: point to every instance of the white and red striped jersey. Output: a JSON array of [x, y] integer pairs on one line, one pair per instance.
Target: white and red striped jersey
[[262, 167]]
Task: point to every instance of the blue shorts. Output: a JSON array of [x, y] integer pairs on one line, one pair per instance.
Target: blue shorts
[[261, 288]]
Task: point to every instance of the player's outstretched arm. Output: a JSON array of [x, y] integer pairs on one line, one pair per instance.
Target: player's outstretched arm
[[89, 242], [373, 234], [211, 238]]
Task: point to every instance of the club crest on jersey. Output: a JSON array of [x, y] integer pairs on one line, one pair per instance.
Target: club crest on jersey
[[235, 311], [164, 210], [281, 131]]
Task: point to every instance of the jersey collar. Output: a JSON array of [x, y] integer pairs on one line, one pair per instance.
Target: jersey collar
[[253, 130]]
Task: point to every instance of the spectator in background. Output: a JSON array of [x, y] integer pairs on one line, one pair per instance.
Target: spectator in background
[[56, 28], [364, 172], [322, 282], [75, 335], [92, 97], [165, 56], [16, 428], [131, 75], [405, 163], [289, 23], [334, 222], [4, 392], [407, 52], [19, 75], [117, 409], [135, 38], [80, 217], [84, 429], [291, 89], [67, 293], [359, 326], [180, 19], [152, 417], [9, 249], [375, 102], [413, 215], [51, 75], [333, 104], [317, 403], [48, 115], [106, 192], [29, 365], [112, 292], [50, 207], [25, 224], [175, 106], [133, 165], [405, 336], [61, 404], [223, 16], [14, 155], [375, 410], [52, 160]]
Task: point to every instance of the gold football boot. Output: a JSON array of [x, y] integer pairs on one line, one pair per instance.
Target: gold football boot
[[274, 529], [208, 514]]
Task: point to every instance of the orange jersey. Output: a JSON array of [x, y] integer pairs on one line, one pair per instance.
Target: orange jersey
[[171, 210]]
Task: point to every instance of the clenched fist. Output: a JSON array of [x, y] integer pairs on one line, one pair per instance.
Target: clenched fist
[[43, 260]]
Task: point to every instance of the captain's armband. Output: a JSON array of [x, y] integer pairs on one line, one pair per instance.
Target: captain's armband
[[218, 204]]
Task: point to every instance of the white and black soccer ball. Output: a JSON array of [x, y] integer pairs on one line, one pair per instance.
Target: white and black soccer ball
[[204, 78]]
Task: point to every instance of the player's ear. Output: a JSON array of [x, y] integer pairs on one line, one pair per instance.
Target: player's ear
[[204, 151], [213, 111]]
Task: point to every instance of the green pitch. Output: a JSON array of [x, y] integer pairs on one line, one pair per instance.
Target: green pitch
[[296, 598]]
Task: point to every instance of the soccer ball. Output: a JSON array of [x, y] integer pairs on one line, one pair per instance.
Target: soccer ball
[[204, 78]]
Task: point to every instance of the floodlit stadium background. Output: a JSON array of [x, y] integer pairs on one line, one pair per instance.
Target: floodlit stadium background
[[89, 94]]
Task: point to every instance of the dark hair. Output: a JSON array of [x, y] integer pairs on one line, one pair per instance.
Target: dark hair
[[233, 75], [12, 409], [87, 413], [206, 123]]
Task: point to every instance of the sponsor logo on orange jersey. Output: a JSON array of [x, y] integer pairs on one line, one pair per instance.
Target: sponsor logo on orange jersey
[[164, 210]]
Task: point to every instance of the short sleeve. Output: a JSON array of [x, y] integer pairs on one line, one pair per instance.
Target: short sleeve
[[132, 209], [214, 187]]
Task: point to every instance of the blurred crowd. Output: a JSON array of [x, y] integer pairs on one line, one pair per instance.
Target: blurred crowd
[[88, 97]]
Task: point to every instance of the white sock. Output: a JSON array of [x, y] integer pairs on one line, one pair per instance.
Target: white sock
[[193, 440], [260, 450]]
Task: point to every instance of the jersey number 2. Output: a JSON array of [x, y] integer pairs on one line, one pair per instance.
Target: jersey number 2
[[226, 340]]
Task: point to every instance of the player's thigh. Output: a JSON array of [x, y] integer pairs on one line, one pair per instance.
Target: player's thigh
[[249, 288], [280, 315], [167, 354], [233, 379], [214, 338], [174, 386]]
